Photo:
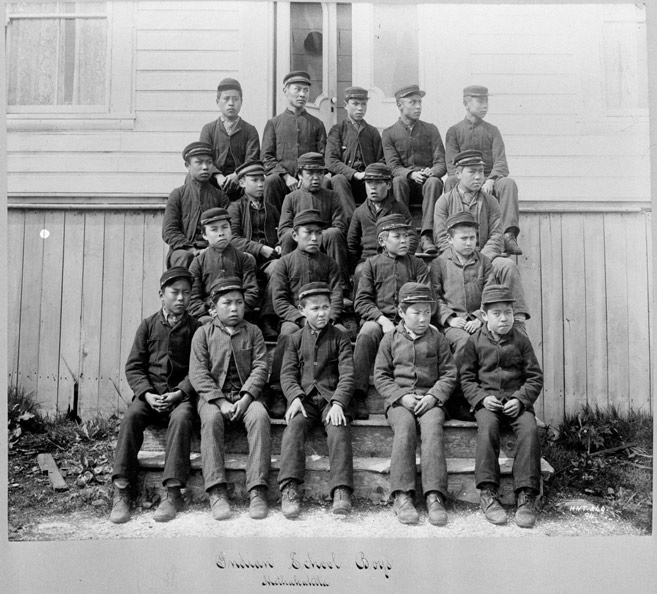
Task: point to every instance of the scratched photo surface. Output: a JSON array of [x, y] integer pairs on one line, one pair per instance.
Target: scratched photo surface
[[101, 98]]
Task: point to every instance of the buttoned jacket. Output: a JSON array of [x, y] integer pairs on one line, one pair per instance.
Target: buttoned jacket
[[327, 202], [182, 214], [297, 269], [243, 144], [362, 239], [408, 151], [480, 136], [405, 365], [381, 278], [458, 286], [343, 144], [507, 368], [485, 210], [242, 228], [211, 264], [321, 361], [288, 136], [159, 358], [212, 348]]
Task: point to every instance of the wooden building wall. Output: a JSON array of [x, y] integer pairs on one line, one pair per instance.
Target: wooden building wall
[[78, 293]]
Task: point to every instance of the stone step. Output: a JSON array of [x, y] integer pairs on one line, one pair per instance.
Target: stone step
[[370, 438], [371, 477]]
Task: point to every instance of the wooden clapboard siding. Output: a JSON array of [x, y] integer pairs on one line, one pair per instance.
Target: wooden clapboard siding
[[587, 279]]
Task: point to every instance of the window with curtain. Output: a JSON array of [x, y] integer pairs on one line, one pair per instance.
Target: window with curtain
[[57, 54]]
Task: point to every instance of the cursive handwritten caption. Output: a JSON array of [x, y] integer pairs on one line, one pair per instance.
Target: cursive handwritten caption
[[308, 570]]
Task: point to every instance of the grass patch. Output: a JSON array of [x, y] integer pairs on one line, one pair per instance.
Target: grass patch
[[606, 457]]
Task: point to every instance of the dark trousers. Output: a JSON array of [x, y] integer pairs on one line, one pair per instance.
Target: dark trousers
[[405, 426], [276, 189], [527, 462], [180, 257], [258, 431], [506, 192], [367, 344], [352, 192], [293, 447], [286, 330], [457, 338], [506, 272], [407, 191], [179, 423]]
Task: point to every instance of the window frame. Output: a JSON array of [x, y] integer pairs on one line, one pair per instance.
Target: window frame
[[118, 111]]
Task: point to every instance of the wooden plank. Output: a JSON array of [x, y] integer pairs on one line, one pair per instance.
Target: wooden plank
[[186, 40], [638, 313], [48, 466], [596, 310], [569, 166], [616, 262], [69, 347], [28, 347], [574, 312], [153, 265], [626, 145], [224, 60], [123, 161], [492, 64], [651, 302], [178, 100], [51, 310], [551, 281], [110, 332], [92, 302], [530, 270], [15, 263], [133, 258], [188, 20]]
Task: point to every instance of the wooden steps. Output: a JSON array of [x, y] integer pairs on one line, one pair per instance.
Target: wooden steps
[[372, 442], [371, 477]]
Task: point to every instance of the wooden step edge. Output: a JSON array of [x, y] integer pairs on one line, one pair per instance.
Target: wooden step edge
[[155, 461]]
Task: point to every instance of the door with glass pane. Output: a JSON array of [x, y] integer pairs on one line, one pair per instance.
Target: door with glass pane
[[317, 38]]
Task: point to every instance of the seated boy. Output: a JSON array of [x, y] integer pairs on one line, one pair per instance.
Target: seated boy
[[157, 372], [362, 240], [304, 265], [233, 140], [459, 276], [220, 259], [181, 227], [318, 383], [501, 380], [415, 373], [351, 147], [253, 226], [474, 133], [228, 369], [289, 135], [311, 195], [376, 301], [469, 196]]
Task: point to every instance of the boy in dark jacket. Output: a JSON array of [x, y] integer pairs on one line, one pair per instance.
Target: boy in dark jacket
[[304, 265], [181, 227], [501, 380], [233, 140], [254, 229], [289, 135], [416, 374], [228, 369], [157, 372], [377, 299], [318, 382], [350, 147], [220, 259]]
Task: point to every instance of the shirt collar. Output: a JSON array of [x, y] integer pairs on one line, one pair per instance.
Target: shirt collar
[[171, 319]]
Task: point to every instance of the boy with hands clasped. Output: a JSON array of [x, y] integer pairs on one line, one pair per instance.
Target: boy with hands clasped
[[501, 379], [157, 372], [317, 378], [415, 372], [228, 369]]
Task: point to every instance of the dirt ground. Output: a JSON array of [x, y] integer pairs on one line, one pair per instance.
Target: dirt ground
[[366, 520]]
